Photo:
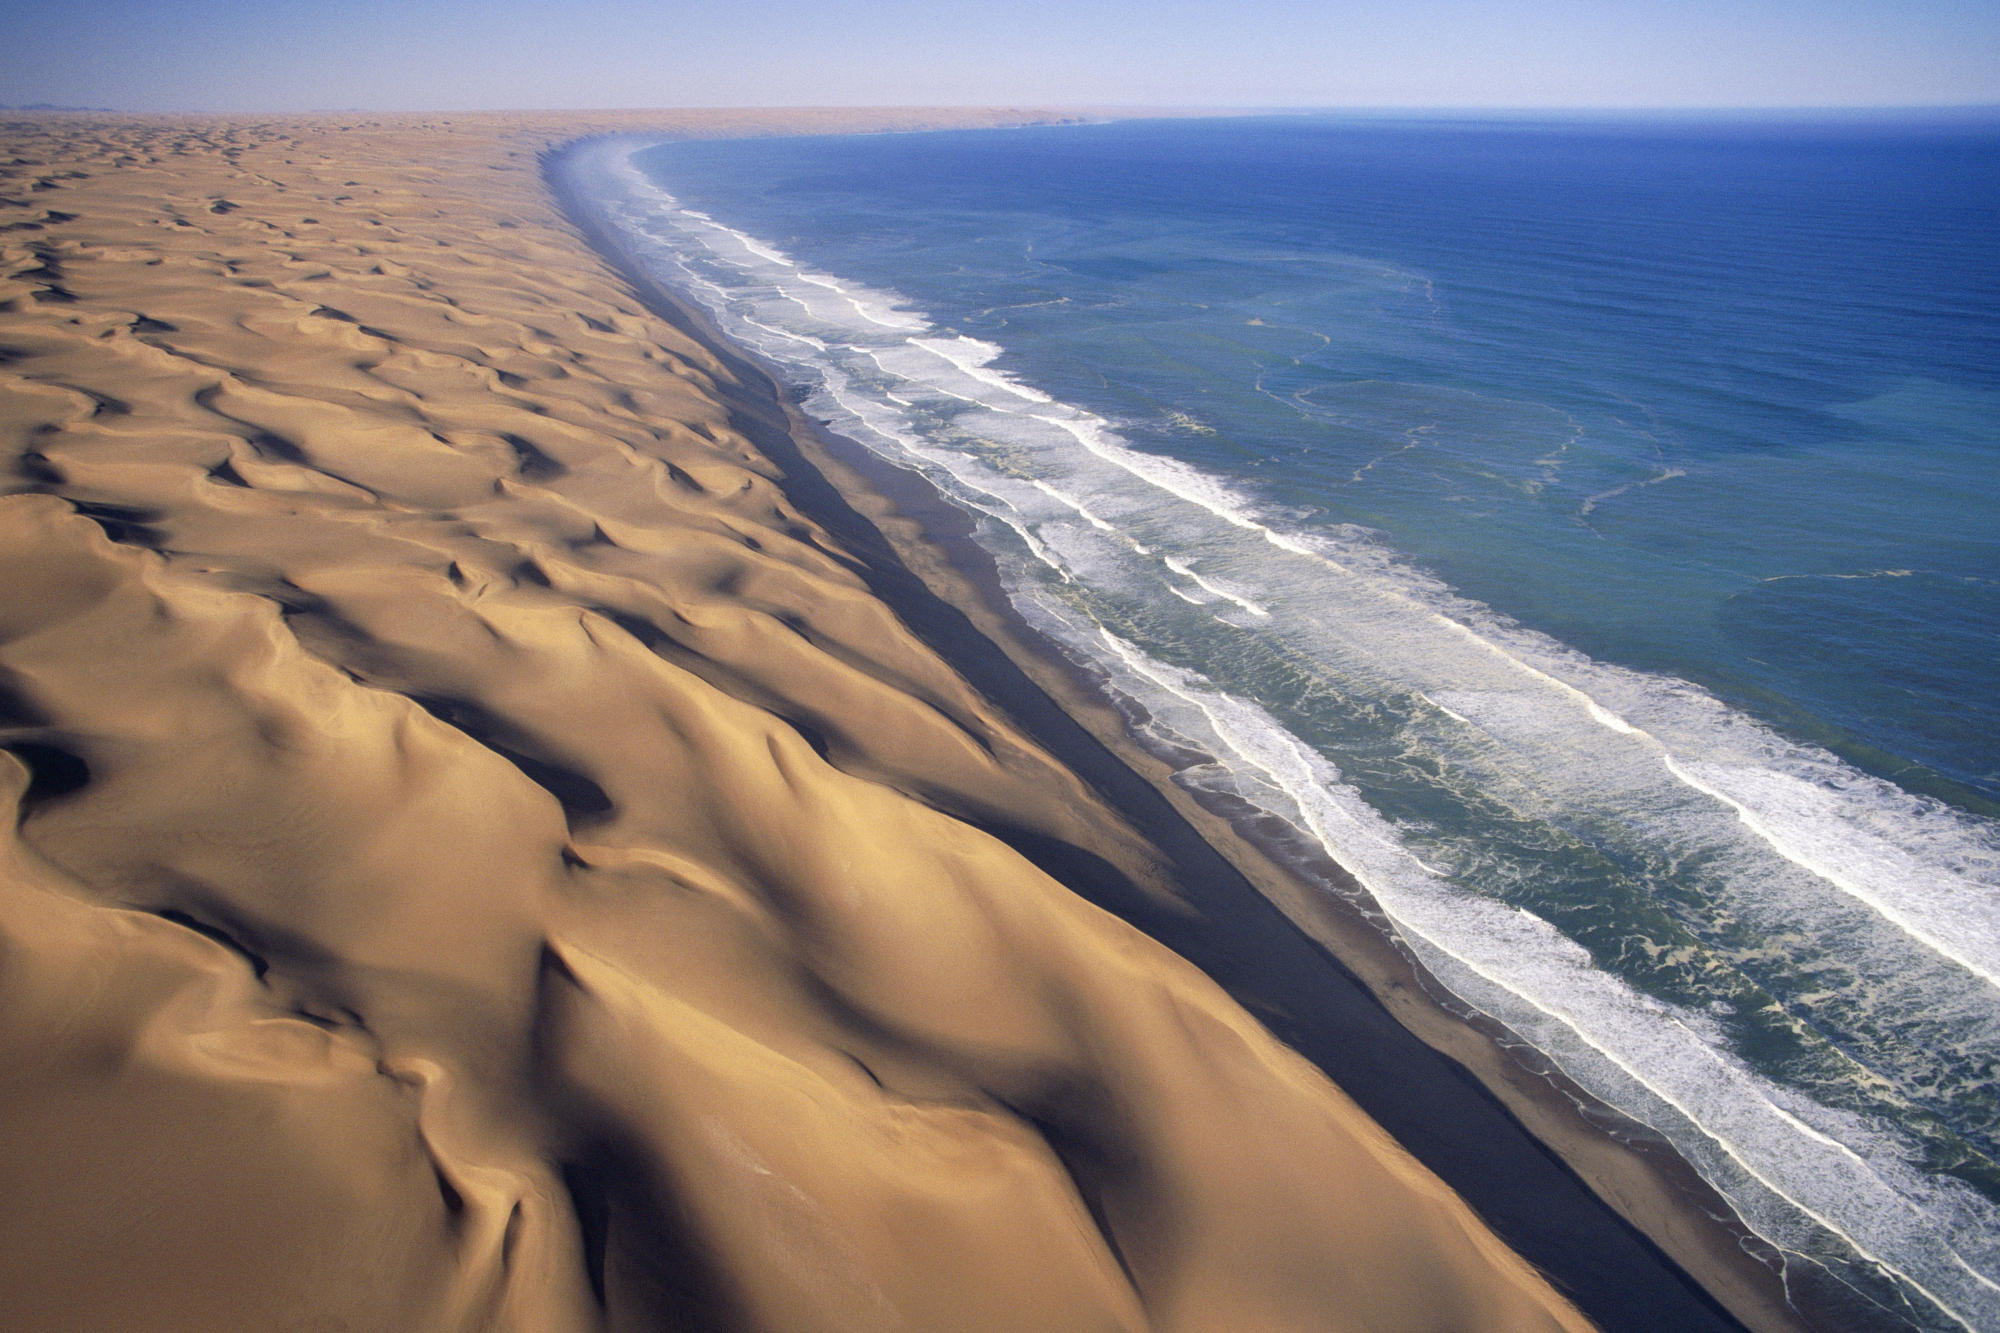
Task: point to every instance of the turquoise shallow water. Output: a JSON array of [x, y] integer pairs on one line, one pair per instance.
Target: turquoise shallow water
[[1586, 532]]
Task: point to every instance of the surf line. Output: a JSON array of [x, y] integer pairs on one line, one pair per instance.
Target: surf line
[[973, 359], [1749, 1099], [1874, 902]]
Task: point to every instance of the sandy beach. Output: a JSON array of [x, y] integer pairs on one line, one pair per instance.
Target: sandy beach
[[515, 832]]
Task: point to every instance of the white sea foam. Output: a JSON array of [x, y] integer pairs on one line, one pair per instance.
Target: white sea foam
[[1213, 588], [875, 312], [1668, 1063], [1070, 501], [1949, 911], [756, 248], [972, 357], [1782, 837]]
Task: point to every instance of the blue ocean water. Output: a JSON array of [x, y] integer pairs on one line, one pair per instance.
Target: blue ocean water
[[1587, 532]]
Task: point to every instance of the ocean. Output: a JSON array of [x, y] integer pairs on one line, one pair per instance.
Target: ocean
[[1585, 531]]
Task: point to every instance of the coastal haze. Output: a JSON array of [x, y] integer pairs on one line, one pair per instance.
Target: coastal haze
[[1104, 711], [261, 56]]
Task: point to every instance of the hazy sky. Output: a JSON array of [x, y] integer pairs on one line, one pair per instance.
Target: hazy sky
[[274, 55]]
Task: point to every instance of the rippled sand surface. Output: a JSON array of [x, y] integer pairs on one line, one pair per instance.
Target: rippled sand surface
[[483, 860]]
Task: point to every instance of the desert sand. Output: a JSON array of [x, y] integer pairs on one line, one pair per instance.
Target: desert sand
[[484, 859]]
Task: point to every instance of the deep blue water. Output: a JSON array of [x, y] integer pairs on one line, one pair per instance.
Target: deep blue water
[[1587, 532]]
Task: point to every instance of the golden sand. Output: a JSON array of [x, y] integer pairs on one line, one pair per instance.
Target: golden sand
[[485, 861]]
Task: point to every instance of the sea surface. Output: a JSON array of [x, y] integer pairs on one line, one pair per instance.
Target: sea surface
[[1587, 532]]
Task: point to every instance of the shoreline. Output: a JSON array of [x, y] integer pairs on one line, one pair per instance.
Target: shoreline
[[1339, 973], [470, 828], [504, 804]]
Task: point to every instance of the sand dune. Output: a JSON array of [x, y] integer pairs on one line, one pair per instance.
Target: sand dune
[[485, 861]]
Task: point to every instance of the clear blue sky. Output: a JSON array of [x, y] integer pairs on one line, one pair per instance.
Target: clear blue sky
[[278, 55]]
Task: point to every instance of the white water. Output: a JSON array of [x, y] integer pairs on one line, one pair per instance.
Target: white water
[[1786, 839]]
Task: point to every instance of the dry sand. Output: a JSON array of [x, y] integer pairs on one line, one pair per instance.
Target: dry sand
[[485, 860]]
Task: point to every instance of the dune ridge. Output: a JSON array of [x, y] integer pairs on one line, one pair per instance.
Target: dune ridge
[[484, 860]]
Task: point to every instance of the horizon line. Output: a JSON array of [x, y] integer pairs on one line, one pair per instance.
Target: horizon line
[[1122, 108]]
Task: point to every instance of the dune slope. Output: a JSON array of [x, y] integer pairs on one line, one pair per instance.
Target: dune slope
[[480, 859]]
